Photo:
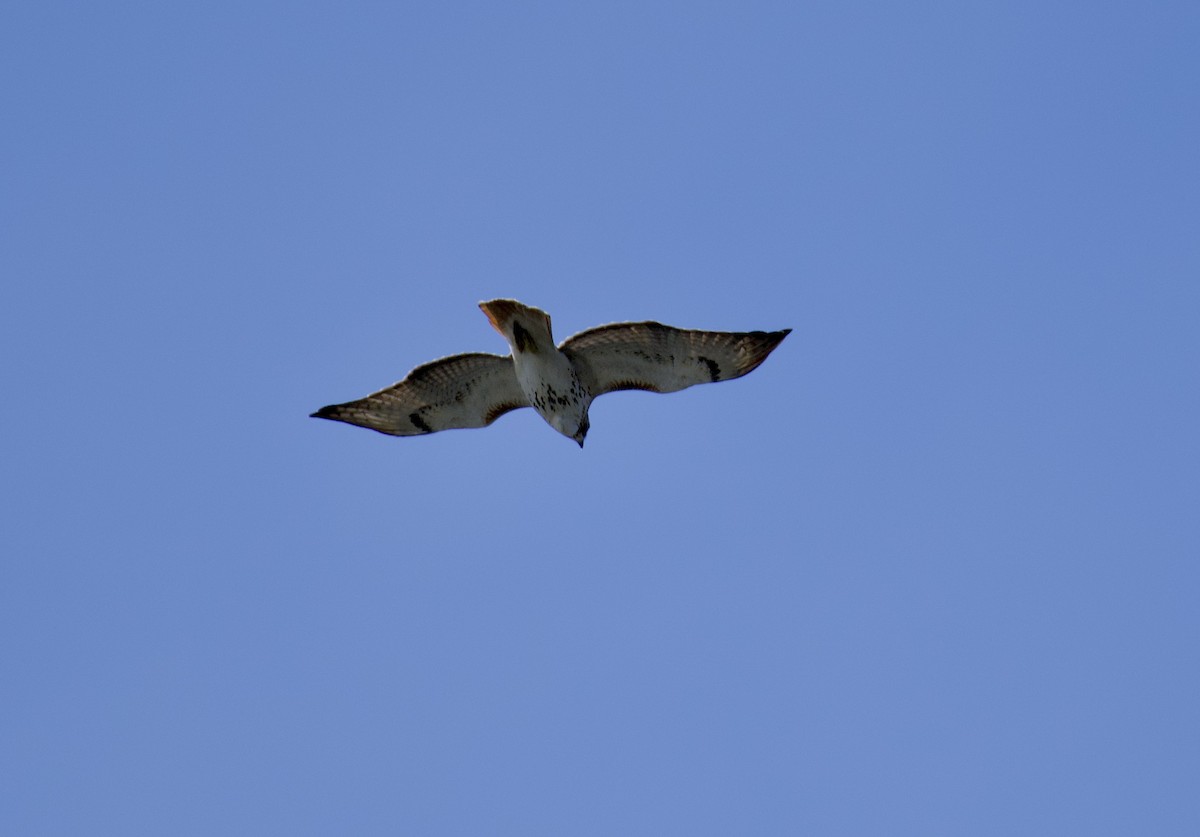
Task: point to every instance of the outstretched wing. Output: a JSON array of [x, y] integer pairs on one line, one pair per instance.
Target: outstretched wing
[[470, 390], [660, 358]]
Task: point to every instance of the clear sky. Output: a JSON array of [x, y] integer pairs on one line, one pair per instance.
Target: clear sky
[[934, 568]]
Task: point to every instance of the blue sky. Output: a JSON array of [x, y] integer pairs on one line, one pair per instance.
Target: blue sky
[[932, 569]]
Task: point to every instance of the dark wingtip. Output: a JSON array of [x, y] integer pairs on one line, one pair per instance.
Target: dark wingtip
[[776, 337], [324, 412], [758, 345]]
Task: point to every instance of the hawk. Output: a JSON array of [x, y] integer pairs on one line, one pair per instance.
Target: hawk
[[473, 390]]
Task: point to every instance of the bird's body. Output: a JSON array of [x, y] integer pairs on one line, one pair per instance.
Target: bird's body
[[548, 379], [560, 382]]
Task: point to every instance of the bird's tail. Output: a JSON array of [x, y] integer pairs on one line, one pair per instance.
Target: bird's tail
[[524, 327]]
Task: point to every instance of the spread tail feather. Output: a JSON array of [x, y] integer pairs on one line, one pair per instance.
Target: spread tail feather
[[519, 324]]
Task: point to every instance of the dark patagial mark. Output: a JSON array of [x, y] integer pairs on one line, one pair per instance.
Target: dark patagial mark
[[524, 338], [419, 423], [714, 370]]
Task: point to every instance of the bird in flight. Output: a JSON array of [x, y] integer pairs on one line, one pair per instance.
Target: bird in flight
[[473, 390]]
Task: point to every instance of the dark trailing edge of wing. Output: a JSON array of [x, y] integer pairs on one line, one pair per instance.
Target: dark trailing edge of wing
[[499, 410]]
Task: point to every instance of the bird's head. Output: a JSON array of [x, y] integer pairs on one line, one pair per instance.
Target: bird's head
[[569, 427], [581, 433]]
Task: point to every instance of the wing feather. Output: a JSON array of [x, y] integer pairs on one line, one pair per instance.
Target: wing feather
[[469, 390], [659, 358]]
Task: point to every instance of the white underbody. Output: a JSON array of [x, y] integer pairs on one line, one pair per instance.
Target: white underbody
[[549, 382]]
